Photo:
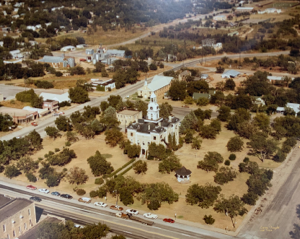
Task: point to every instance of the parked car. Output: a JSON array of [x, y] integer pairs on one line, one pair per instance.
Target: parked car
[[150, 216], [34, 124], [31, 187], [185, 106], [66, 196], [169, 220], [116, 207], [100, 204], [132, 211], [122, 215], [85, 200], [55, 193], [44, 190], [37, 199]]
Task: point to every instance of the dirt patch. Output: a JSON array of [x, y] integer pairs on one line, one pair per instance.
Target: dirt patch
[[15, 104]]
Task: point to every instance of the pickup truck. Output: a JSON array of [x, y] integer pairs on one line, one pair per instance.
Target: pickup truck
[[116, 207], [85, 200]]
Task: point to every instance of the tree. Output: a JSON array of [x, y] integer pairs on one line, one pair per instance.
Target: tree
[[170, 164], [141, 106], [216, 124], [235, 144], [224, 175], [233, 206], [250, 198], [54, 179], [210, 161], [71, 136], [94, 231], [157, 151], [208, 132], [109, 118], [262, 121], [63, 123], [52, 132], [6, 121], [204, 196], [113, 137], [220, 86], [196, 143], [224, 113], [37, 102], [11, 171], [220, 69], [35, 140], [104, 105], [190, 121], [132, 150], [77, 176], [99, 165], [165, 110], [78, 95], [153, 67], [140, 167], [246, 129], [209, 219], [177, 90], [188, 137], [229, 84], [27, 164]]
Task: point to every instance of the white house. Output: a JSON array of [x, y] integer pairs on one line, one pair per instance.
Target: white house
[[68, 48], [218, 46], [230, 74], [16, 54], [33, 28], [81, 46], [56, 97], [153, 128]]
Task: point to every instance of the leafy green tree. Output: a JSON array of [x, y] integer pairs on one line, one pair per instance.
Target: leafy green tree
[[77, 176], [188, 137], [204, 196], [165, 110], [196, 143], [62, 158], [259, 182], [140, 167], [37, 102], [109, 118], [35, 140], [132, 150], [26, 164], [99, 165], [246, 129], [141, 106], [280, 132], [104, 105], [78, 95], [229, 84], [190, 121], [63, 123], [113, 100], [6, 121], [94, 231], [262, 121], [177, 90], [157, 151], [208, 132], [169, 164], [52, 132], [233, 206], [71, 136], [113, 137], [209, 219], [46, 170], [210, 161], [126, 197], [31, 177], [202, 101], [216, 124], [250, 198], [11, 171], [224, 113], [224, 175], [235, 144], [53, 179], [258, 84]]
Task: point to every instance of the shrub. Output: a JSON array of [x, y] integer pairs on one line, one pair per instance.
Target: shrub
[[43, 84], [56, 149], [31, 177], [1, 168], [80, 192], [64, 103], [100, 88], [99, 181], [232, 157], [250, 198], [93, 194], [102, 192], [227, 162], [68, 143], [209, 219], [40, 159], [286, 148], [246, 160], [58, 74]]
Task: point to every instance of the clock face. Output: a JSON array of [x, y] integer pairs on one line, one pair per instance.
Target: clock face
[[151, 108]]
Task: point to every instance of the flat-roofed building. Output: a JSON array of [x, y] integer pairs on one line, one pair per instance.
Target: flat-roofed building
[[19, 115], [105, 83], [127, 117], [41, 112], [16, 216], [51, 105]]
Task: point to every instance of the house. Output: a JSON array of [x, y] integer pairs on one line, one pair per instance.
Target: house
[[56, 97], [16, 216], [183, 75], [270, 10], [107, 84], [33, 43], [197, 96], [16, 54], [81, 46], [51, 105], [58, 61], [295, 107], [68, 48], [244, 9], [230, 74], [280, 110], [41, 112], [107, 61], [220, 18], [159, 85], [89, 51], [19, 116], [258, 101], [208, 42], [217, 46], [204, 77], [127, 117], [153, 129], [16, 16]]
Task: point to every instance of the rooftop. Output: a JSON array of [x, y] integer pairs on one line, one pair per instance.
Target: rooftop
[[11, 208], [129, 112], [14, 111], [52, 59], [183, 171], [159, 82]]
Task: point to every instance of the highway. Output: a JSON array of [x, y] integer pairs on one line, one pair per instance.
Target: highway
[[88, 214]]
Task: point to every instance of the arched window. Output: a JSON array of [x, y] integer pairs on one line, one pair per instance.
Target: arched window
[[151, 108]]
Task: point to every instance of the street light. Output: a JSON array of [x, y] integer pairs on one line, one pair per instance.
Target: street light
[[117, 196]]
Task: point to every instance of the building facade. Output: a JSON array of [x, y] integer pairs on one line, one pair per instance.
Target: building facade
[[16, 217], [153, 128], [127, 117]]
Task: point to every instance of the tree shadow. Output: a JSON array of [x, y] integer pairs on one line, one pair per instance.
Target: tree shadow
[[295, 234]]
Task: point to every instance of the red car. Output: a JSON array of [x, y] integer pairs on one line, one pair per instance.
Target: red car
[[169, 220], [34, 124], [31, 187]]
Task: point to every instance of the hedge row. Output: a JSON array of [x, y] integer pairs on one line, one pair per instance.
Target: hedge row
[[121, 174], [119, 169]]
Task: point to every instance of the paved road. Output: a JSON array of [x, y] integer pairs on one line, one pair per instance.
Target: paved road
[[88, 213], [277, 220]]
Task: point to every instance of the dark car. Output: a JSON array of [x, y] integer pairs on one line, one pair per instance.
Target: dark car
[[55, 193], [37, 199], [66, 196]]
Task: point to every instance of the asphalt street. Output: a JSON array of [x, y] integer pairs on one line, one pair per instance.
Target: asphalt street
[[88, 213]]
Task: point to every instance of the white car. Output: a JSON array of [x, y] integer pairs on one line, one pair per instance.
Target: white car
[[44, 190], [132, 211], [100, 204], [150, 215]]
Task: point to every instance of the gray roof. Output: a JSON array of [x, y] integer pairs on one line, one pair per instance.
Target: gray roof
[[159, 82], [52, 59], [4, 200], [183, 171], [11, 208], [230, 73]]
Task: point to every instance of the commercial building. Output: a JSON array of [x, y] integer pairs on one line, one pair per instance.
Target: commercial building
[[56, 97], [159, 85], [51, 105], [16, 216], [127, 117], [19, 115], [41, 112], [106, 83], [59, 61], [153, 128]]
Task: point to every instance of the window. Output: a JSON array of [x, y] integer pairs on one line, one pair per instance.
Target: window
[[19, 230], [30, 223], [4, 228], [131, 134], [29, 212], [25, 226], [154, 137], [8, 236], [151, 108], [148, 143], [14, 233]]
